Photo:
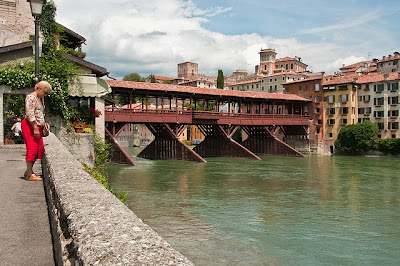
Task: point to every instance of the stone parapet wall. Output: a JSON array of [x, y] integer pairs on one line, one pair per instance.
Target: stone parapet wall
[[90, 226]]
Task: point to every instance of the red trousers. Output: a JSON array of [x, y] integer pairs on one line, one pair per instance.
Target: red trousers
[[34, 146]]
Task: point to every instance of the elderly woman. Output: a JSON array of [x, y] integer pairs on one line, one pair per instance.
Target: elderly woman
[[32, 127]]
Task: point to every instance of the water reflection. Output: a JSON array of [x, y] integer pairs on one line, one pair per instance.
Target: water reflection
[[314, 210]]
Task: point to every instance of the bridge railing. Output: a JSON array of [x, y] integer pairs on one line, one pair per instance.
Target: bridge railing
[[229, 118]]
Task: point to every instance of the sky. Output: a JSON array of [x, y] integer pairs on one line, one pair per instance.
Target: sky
[[153, 36]]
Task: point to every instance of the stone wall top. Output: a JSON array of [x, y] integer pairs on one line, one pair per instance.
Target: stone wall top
[[103, 230]]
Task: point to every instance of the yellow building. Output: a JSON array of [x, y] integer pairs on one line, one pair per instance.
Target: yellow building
[[340, 106]]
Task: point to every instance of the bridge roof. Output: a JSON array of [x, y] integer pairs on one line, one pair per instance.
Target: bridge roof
[[203, 91]]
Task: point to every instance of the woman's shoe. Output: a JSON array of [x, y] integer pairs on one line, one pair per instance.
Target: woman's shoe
[[25, 175], [33, 177]]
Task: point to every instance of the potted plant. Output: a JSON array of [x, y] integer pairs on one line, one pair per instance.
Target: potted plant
[[79, 125]]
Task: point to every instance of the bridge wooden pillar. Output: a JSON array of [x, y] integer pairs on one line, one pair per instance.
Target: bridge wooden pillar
[[117, 153], [218, 143], [262, 140], [167, 144]]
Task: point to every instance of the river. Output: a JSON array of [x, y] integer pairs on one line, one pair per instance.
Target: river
[[316, 210]]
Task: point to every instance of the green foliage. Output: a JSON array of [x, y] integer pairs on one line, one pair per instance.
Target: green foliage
[[48, 26], [166, 82], [220, 79], [102, 153], [98, 172], [54, 67], [361, 137], [134, 77], [389, 146], [153, 79]]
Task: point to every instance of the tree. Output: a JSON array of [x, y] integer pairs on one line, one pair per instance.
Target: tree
[[153, 79], [220, 79], [357, 138], [134, 77], [166, 82]]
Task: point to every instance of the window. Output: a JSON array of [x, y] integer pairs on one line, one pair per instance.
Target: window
[[344, 98], [283, 78], [361, 111], [331, 121], [306, 88], [378, 114], [378, 88], [393, 86], [270, 80], [344, 110], [317, 99], [381, 126], [366, 98], [360, 98], [317, 110], [393, 136], [393, 125], [270, 88], [330, 135], [330, 99], [300, 88], [344, 121], [343, 87], [291, 66], [367, 110], [330, 111], [316, 87], [257, 86], [317, 131], [393, 113], [393, 100], [378, 101]]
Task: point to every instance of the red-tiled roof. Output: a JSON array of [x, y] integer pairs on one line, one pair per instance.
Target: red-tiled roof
[[376, 77], [163, 78], [341, 80], [202, 91]]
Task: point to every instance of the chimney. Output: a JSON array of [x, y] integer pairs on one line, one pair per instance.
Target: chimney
[[386, 76], [390, 56], [355, 80], [383, 58], [396, 54]]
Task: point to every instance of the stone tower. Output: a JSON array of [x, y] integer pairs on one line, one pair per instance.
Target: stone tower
[[188, 71], [267, 61]]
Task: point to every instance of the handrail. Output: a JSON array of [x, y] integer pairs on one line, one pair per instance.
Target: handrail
[[206, 113]]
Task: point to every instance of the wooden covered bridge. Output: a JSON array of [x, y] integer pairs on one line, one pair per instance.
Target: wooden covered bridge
[[217, 113]]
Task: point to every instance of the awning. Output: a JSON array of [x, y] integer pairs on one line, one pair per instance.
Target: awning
[[90, 87]]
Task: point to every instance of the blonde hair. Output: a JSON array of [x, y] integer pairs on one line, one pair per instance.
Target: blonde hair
[[44, 86]]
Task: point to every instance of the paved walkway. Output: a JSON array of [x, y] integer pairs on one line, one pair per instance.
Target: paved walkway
[[24, 226]]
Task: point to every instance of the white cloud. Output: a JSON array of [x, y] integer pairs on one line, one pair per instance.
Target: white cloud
[[153, 36]]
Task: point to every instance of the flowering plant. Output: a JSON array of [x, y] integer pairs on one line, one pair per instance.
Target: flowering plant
[[79, 123], [95, 112], [8, 142]]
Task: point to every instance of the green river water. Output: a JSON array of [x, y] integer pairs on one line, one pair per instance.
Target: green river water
[[319, 210]]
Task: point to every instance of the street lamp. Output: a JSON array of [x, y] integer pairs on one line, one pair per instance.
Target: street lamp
[[36, 9]]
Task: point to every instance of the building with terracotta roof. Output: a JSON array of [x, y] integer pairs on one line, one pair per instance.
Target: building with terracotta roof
[[311, 88], [378, 98], [389, 63]]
